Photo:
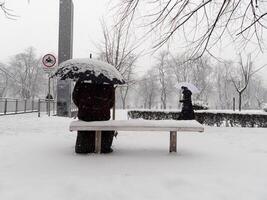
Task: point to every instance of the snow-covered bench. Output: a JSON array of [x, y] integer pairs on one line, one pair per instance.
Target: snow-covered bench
[[171, 126]]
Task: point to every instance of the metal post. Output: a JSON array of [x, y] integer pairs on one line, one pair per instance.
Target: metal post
[[233, 103], [49, 95], [65, 42], [32, 105], [16, 106], [5, 108], [54, 95], [25, 105], [46, 106], [39, 107]]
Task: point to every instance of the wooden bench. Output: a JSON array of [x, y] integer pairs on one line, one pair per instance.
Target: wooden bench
[[171, 126]]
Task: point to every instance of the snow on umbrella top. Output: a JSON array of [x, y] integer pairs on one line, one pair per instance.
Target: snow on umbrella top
[[190, 86], [89, 70]]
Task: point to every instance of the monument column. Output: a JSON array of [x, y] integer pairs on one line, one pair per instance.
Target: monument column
[[65, 43]]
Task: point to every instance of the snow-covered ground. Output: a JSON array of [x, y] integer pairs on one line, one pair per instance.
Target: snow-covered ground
[[37, 162]]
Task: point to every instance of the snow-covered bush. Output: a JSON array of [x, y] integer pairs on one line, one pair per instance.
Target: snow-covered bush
[[200, 105], [264, 107], [152, 115], [233, 119]]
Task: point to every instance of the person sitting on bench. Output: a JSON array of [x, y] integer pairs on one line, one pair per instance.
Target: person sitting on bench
[[94, 102]]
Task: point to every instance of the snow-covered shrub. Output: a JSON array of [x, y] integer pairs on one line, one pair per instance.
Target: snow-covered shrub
[[152, 115], [264, 107], [233, 119], [200, 105]]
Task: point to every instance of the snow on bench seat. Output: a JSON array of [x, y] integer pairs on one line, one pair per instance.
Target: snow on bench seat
[[138, 125], [171, 126]]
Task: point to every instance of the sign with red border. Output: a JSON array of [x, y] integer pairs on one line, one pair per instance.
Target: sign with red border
[[49, 61]]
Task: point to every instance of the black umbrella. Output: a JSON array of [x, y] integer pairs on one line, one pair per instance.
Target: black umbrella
[[89, 70]]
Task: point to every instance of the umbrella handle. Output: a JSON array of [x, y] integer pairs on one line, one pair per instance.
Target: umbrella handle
[[114, 107]]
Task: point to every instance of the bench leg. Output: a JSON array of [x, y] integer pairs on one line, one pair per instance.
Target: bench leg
[[98, 142], [173, 141]]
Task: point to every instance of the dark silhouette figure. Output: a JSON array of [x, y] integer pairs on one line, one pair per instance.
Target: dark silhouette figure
[[187, 112], [94, 102]]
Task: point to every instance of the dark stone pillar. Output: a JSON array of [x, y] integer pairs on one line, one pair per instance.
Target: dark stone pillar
[[65, 41]]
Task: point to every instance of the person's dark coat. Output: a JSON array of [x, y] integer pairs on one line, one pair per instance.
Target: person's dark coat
[[94, 103], [187, 112]]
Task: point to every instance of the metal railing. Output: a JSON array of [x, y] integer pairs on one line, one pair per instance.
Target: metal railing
[[11, 106]]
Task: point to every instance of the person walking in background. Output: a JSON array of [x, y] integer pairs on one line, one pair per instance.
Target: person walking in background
[[94, 102], [187, 112]]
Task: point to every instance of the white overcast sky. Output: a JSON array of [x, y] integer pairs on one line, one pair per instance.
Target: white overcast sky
[[37, 26]]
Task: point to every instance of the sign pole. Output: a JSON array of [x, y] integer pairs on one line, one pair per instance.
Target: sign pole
[[49, 61], [49, 95]]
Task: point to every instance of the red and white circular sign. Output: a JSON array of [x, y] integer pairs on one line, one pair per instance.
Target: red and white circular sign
[[49, 60]]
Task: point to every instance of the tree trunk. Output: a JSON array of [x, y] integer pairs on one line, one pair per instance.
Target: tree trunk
[[123, 104], [240, 101]]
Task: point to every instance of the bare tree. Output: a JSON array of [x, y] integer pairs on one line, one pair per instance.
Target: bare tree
[[118, 50], [181, 67], [202, 23], [242, 78], [3, 80], [148, 87], [201, 77], [223, 91], [259, 93], [162, 68], [214, 79], [7, 12], [26, 70], [255, 93], [129, 77], [197, 72]]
